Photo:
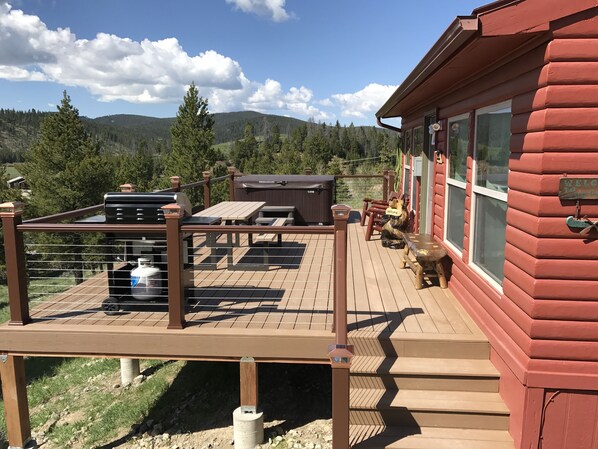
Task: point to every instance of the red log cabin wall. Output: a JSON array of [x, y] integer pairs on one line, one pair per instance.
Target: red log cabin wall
[[543, 326]]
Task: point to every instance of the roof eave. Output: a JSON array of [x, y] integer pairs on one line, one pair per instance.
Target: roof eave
[[457, 34]]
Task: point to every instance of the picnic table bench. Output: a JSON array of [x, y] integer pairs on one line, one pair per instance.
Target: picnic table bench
[[423, 255]]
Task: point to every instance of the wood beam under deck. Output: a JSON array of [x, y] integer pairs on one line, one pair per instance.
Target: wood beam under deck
[[38, 339]]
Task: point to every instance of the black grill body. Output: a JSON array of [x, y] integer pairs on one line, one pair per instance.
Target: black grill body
[[140, 207]]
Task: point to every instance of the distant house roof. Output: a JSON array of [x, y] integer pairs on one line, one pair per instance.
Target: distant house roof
[[14, 181], [473, 43]]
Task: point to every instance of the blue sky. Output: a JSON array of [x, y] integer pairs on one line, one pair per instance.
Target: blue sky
[[327, 60]]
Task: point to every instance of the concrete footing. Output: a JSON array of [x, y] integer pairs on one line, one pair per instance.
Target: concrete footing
[[248, 429], [129, 370], [31, 444]]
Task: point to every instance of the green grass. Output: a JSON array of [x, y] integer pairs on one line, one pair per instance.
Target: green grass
[[76, 405]]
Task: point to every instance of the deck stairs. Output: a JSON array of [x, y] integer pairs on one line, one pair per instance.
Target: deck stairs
[[410, 392]]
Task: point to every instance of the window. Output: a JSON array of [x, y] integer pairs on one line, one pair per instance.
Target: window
[[489, 202], [418, 141], [458, 144]]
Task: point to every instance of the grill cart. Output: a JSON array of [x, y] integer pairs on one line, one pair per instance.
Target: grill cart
[[140, 276]]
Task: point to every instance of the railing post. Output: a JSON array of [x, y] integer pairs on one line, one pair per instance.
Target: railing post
[[16, 275], [207, 195], [385, 184], [174, 254], [340, 353], [16, 406], [127, 188], [391, 180], [231, 183], [175, 183]]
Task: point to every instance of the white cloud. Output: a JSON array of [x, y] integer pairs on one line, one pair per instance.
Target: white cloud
[[115, 68], [365, 102], [269, 8], [109, 66]]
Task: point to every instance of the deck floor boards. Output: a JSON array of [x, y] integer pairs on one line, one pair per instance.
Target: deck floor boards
[[293, 292]]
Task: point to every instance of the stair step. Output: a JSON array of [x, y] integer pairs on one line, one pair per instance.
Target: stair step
[[476, 410], [421, 365], [379, 437], [455, 346], [424, 373]]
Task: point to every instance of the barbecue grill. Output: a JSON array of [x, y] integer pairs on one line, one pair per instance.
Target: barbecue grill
[[141, 208]]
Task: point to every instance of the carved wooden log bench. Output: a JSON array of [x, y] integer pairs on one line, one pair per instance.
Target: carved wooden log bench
[[423, 255]]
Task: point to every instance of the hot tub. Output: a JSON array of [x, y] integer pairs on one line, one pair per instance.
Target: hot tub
[[312, 196]]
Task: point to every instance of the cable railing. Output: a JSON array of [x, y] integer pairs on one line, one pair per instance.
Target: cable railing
[[280, 276]]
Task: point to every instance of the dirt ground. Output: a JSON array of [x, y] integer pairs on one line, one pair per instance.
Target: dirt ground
[[295, 400]]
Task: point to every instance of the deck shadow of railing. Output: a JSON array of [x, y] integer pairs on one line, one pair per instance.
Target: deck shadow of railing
[[287, 256], [222, 302], [392, 319]]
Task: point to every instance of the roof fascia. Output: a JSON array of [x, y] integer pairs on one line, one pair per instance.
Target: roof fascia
[[458, 33]]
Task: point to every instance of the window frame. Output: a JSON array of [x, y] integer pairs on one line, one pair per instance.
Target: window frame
[[407, 180], [454, 182], [484, 191]]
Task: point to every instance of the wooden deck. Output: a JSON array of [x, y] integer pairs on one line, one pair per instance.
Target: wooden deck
[[290, 298]]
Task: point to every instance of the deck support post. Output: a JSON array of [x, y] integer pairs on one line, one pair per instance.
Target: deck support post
[[129, 370], [14, 250], [231, 183], [16, 407], [249, 385], [174, 253], [207, 195], [385, 184], [340, 353], [391, 180], [248, 421]]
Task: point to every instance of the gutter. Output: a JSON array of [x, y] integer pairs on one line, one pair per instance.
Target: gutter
[[384, 125], [458, 33]]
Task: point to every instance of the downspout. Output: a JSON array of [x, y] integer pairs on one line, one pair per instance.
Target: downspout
[[398, 179], [384, 125]]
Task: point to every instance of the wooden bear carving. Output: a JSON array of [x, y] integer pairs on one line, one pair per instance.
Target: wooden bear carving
[[396, 221]]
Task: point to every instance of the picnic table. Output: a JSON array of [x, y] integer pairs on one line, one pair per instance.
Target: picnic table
[[230, 213]]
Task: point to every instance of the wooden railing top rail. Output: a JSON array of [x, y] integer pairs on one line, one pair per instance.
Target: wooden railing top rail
[[161, 228], [66, 215]]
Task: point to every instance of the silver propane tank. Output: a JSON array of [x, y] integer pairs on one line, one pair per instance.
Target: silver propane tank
[[146, 282]]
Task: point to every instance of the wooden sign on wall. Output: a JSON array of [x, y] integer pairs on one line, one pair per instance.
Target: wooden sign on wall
[[578, 188]]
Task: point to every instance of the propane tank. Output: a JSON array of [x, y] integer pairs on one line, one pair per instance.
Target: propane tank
[[146, 282]]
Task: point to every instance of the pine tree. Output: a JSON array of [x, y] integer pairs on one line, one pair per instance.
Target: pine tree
[[65, 168], [192, 135]]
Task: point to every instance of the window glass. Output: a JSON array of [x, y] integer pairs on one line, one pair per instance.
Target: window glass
[[458, 144], [418, 141], [490, 236], [407, 142], [455, 222], [407, 183], [493, 135]]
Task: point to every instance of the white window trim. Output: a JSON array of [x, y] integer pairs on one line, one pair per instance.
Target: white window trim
[[452, 182], [478, 190]]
